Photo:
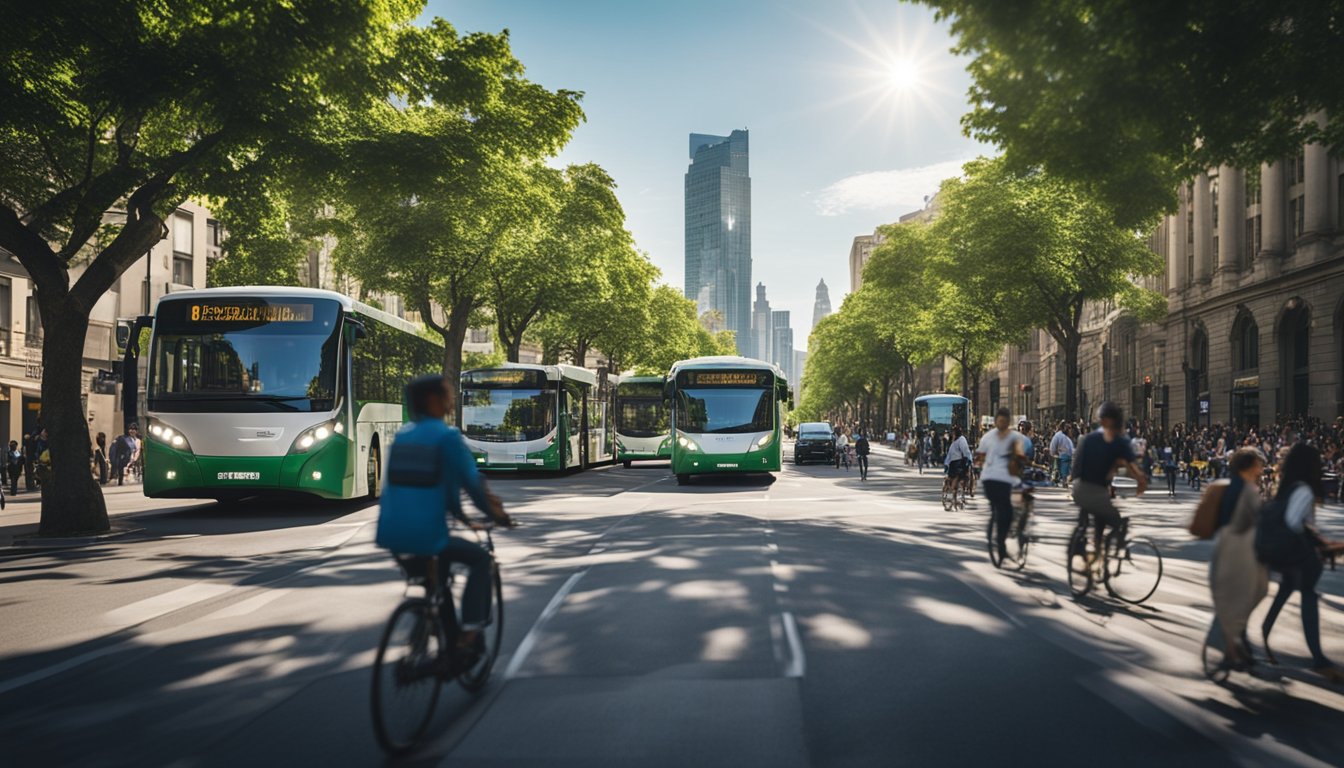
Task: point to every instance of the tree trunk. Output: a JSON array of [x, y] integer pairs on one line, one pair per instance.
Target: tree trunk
[[1072, 382], [975, 393], [72, 503], [581, 354]]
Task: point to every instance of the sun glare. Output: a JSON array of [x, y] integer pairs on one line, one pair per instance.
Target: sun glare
[[903, 74]]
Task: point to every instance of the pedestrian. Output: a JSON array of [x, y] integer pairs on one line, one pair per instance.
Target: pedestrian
[[861, 454], [1299, 491], [14, 466], [1237, 580], [100, 457], [123, 451], [1169, 470], [925, 451], [1061, 450], [42, 458]]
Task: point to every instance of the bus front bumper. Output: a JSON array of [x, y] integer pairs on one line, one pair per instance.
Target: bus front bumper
[[322, 472]]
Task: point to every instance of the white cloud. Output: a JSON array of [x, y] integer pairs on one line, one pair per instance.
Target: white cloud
[[885, 190]]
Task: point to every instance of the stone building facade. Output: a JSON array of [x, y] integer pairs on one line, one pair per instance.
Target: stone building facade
[[1255, 288]]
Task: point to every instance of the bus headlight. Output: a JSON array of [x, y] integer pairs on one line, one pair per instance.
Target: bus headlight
[[314, 436], [765, 439], [168, 436], [687, 443]]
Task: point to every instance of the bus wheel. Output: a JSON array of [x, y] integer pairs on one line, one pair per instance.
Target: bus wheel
[[683, 479], [626, 463], [375, 471]]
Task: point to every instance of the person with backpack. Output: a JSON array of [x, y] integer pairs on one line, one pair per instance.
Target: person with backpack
[[123, 452], [1237, 580], [14, 466], [1287, 541], [861, 449]]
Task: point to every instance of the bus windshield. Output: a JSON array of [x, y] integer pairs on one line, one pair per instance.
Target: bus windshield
[[507, 415], [641, 417], [245, 355], [725, 410], [942, 414]]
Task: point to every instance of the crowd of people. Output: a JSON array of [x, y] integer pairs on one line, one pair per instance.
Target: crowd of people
[[30, 461]]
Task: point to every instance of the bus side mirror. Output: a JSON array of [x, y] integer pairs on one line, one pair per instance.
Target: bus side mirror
[[357, 329], [668, 390]]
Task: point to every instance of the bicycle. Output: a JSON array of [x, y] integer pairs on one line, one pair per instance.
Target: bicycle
[[417, 652], [954, 492], [1018, 540], [1129, 567]]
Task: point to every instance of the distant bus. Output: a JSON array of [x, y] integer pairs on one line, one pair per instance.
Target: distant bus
[[537, 417], [942, 412], [265, 389], [727, 413], [642, 431]]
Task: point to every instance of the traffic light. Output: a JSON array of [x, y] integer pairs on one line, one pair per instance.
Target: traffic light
[[1023, 387], [1147, 387]]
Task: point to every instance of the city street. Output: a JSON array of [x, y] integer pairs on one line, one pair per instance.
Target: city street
[[803, 619]]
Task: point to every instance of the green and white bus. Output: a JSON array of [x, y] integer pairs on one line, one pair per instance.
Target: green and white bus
[[642, 431], [267, 389], [727, 413], [537, 417]]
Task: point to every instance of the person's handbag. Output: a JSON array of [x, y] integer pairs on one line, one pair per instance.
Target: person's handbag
[[1204, 523]]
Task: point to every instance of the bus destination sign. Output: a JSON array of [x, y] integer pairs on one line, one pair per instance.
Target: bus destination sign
[[727, 378], [505, 377], [240, 312]]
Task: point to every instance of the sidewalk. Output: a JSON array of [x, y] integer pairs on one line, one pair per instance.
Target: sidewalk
[[21, 515]]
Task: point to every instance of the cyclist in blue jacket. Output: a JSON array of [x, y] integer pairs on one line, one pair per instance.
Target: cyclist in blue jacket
[[428, 468]]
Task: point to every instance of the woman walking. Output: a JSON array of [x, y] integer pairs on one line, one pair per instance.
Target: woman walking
[[100, 458], [1299, 490], [1237, 580]]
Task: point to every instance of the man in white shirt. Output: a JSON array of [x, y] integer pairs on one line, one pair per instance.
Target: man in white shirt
[[994, 454], [1061, 450]]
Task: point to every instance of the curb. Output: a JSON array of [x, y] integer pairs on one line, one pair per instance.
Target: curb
[[32, 543]]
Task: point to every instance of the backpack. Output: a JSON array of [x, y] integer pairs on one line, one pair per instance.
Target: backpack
[[1204, 523], [1277, 545]]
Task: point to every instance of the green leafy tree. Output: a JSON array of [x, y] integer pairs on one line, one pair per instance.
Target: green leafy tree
[[1130, 98], [1038, 249], [127, 106], [433, 194]]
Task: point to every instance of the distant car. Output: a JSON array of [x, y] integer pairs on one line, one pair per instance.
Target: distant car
[[816, 442]]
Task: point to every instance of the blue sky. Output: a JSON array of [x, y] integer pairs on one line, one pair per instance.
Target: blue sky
[[853, 109]]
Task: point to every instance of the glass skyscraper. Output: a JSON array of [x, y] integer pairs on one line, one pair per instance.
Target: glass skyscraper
[[718, 231]]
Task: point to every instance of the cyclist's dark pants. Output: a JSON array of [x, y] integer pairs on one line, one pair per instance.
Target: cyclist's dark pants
[[476, 595], [1000, 496], [1095, 501]]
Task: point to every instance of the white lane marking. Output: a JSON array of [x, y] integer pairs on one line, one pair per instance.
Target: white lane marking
[[646, 485], [529, 640], [153, 607], [250, 605], [797, 665]]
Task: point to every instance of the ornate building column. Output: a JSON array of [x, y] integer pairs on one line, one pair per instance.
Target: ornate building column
[[1203, 230], [1231, 217]]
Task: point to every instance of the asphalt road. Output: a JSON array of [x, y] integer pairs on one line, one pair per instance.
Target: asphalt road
[[803, 619]]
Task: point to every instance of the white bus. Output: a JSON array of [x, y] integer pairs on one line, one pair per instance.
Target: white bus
[[267, 389]]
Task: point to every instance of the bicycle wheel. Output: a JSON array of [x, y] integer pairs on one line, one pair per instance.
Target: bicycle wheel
[[1018, 540], [1133, 570], [405, 683], [1076, 560], [958, 496], [487, 645], [949, 494], [995, 557]]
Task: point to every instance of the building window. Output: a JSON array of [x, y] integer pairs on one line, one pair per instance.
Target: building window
[[213, 234], [33, 338], [1297, 214], [182, 251], [480, 335], [1253, 233], [1252, 189], [6, 318]]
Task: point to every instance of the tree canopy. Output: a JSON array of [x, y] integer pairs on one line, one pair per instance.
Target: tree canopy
[[1129, 99]]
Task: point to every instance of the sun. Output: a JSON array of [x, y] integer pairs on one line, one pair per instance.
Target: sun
[[903, 75]]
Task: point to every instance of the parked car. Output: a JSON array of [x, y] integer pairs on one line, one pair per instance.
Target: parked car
[[816, 442]]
